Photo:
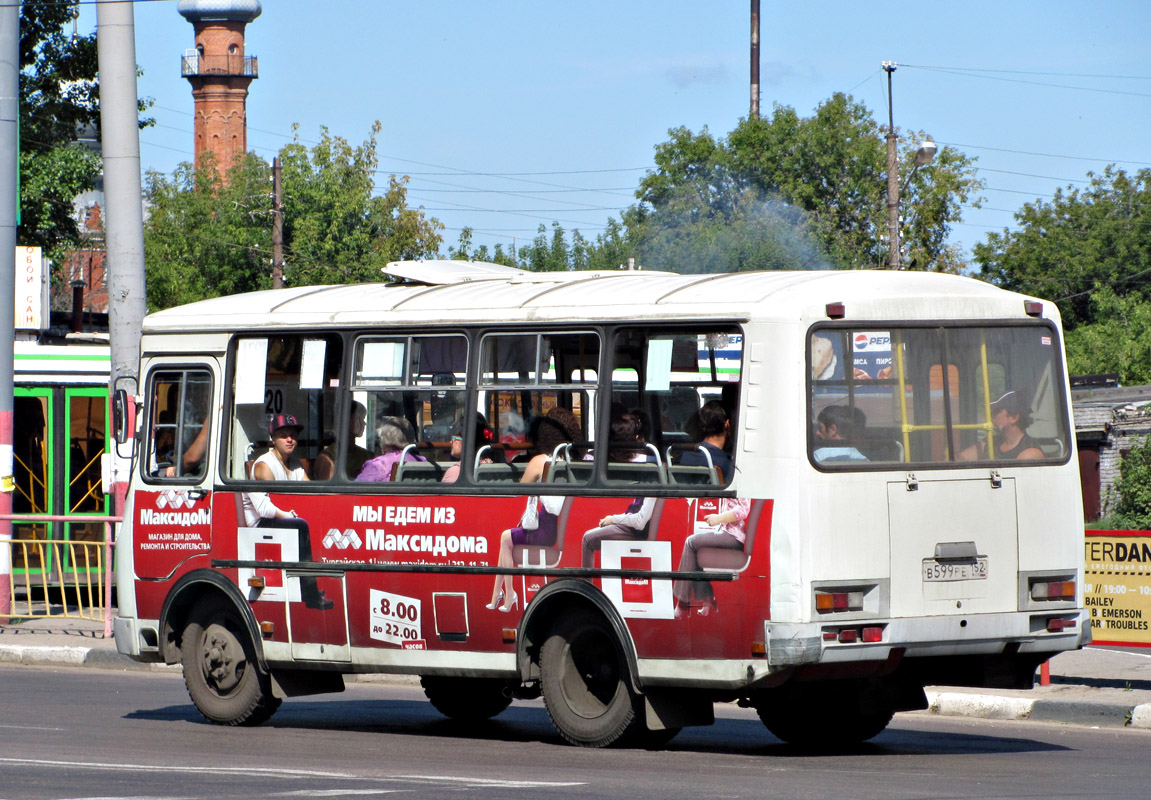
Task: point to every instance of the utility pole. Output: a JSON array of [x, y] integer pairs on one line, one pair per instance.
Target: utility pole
[[754, 58], [893, 256], [124, 216], [9, 158], [277, 226]]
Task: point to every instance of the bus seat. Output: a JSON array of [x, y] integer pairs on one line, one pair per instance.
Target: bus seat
[[709, 476], [422, 471], [530, 555], [570, 472], [498, 473], [723, 559], [635, 472]]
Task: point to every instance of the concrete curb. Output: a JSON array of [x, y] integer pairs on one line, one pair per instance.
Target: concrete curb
[[38, 656], [1068, 712]]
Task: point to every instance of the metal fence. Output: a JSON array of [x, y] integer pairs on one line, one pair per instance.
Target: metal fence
[[61, 577]]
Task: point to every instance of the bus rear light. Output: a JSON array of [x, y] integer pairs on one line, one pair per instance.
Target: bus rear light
[[1056, 625], [830, 636], [838, 601], [873, 634], [1033, 308], [836, 310], [848, 635], [1053, 590]]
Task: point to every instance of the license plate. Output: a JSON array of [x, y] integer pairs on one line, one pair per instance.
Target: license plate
[[955, 570]]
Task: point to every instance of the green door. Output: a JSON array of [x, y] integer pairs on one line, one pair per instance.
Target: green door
[[86, 421], [34, 495]]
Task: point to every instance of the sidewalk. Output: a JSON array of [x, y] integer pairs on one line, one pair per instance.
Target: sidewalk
[[1096, 686]]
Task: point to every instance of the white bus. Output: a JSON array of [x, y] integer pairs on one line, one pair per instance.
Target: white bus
[[812, 493]]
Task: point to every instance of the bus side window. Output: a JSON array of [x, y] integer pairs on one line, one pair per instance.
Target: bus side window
[[538, 391], [682, 385], [180, 424], [295, 375]]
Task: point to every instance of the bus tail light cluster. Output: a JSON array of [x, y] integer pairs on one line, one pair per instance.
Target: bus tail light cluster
[[1059, 624], [1052, 590], [828, 602], [868, 634]]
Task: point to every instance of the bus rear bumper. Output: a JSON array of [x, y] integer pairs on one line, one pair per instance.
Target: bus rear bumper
[[792, 645]]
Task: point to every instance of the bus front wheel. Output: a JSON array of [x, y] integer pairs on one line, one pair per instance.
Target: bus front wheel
[[584, 681], [466, 699], [220, 668]]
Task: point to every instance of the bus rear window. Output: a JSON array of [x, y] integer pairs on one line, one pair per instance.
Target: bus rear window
[[935, 395]]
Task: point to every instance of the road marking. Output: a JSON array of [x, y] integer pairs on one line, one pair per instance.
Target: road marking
[[498, 783], [488, 782], [100, 765]]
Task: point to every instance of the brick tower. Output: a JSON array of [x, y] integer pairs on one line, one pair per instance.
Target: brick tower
[[220, 74]]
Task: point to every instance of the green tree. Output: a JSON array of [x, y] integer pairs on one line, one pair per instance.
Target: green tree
[[816, 185], [335, 229], [1132, 491], [58, 99], [206, 236], [1119, 341], [1077, 243]]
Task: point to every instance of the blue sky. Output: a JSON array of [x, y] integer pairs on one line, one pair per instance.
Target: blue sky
[[511, 114]]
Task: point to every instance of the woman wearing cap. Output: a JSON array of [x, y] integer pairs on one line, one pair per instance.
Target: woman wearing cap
[[282, 464], [1011, 417]]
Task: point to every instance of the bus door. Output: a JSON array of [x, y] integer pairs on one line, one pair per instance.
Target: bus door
[[34, 495], [86, 421]]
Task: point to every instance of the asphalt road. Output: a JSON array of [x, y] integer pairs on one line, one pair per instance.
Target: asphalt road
[[67, 733]]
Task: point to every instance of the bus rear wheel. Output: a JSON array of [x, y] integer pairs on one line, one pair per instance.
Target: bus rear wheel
[[821, 717], [466, 699], [220, 667], [584, 681]]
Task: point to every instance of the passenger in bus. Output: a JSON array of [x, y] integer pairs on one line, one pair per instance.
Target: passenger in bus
[[726, 530], [635, 520], [325, 467], [839, 427], [538, 525], [711, 428], [1011, 416], [393, 435], [282, 464], [482, 435]]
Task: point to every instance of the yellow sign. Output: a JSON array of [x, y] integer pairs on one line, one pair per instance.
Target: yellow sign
[[1117, 586], [31, 288]]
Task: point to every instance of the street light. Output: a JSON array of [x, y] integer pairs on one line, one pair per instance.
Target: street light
[[923, 155]]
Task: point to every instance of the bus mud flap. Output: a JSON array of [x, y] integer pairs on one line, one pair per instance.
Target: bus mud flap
[[675, 708], [299, 682]]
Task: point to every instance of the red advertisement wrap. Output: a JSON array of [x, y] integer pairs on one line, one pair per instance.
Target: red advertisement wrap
[[449, 611], [169, 527]]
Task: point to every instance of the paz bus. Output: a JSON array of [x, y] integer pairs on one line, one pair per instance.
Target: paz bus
[[845, 486]]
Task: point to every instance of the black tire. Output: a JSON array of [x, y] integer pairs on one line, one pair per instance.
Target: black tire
[[827, 719], [584, 680], [466, 699], [220, 667]]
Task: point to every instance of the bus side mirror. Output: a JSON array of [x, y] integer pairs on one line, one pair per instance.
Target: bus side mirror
[[123, 416]]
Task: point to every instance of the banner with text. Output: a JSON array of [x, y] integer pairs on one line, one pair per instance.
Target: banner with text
[[1117, 586]]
